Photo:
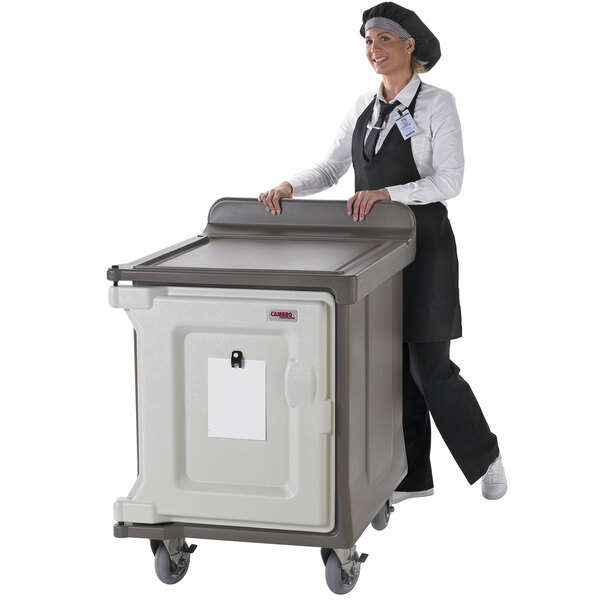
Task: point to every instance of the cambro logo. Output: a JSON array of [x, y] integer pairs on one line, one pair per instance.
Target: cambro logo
[[276, 314]]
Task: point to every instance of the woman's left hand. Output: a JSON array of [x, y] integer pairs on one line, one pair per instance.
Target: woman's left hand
[[360, 204]]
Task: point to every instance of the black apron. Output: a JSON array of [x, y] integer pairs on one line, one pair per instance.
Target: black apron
[[431, 302]]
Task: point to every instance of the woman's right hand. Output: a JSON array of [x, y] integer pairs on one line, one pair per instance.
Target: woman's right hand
[[271, 198]]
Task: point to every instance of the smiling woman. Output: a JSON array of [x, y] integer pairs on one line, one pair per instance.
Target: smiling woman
[[389, 53], [405, 145], [385, 43]]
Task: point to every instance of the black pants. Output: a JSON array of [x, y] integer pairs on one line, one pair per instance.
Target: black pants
[[431, 384]]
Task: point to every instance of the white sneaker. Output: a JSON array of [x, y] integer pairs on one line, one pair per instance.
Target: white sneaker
[[493, 483], [400, 496]]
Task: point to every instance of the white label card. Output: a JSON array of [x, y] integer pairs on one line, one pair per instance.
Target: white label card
[[237, 399], [406, 124]]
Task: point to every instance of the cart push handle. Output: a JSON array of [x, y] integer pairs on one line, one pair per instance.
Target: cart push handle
[[393, 218]]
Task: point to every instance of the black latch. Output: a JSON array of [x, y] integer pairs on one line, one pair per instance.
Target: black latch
[[237, 359]]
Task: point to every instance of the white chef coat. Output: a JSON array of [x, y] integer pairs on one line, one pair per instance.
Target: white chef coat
[[437, 147]]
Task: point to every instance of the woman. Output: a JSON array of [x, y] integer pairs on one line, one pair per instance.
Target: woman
[[405, 145]]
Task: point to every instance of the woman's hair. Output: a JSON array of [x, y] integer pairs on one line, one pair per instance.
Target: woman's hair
[[418, 66]]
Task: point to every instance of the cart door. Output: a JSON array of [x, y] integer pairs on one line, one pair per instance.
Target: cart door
[[235, 407]]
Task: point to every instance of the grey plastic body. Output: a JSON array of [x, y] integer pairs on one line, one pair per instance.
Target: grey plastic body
[[360, 264], [312, 244]]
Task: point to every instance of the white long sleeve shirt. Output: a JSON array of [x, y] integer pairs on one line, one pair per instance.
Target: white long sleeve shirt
[[437, 148]]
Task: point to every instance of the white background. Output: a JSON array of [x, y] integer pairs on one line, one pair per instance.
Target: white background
[[121, 122]]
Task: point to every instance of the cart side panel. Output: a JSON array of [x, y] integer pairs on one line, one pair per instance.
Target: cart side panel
[[376, 452]]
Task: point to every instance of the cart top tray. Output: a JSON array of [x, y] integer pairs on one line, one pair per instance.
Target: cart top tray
[[312, 244]]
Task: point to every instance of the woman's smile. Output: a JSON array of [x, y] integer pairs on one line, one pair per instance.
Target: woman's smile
[[381, 62]]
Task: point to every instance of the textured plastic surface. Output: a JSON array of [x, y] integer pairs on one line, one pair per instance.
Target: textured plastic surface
[[285, 481], [327, 256]]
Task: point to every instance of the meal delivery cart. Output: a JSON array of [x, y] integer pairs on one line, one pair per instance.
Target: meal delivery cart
[[268, 355]]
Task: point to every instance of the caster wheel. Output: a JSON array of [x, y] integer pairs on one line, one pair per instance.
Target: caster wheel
[[338, 581], [166, 570], [382, 518]]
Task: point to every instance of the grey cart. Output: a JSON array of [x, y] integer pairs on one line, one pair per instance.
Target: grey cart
[[268, 356]]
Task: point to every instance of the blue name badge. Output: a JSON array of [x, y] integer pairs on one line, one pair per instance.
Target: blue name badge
[[406, 124]]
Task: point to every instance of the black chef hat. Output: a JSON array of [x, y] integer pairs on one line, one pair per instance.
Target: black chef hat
[[427, 46]]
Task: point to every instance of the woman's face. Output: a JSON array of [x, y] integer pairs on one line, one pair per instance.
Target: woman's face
[[386, 51]]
